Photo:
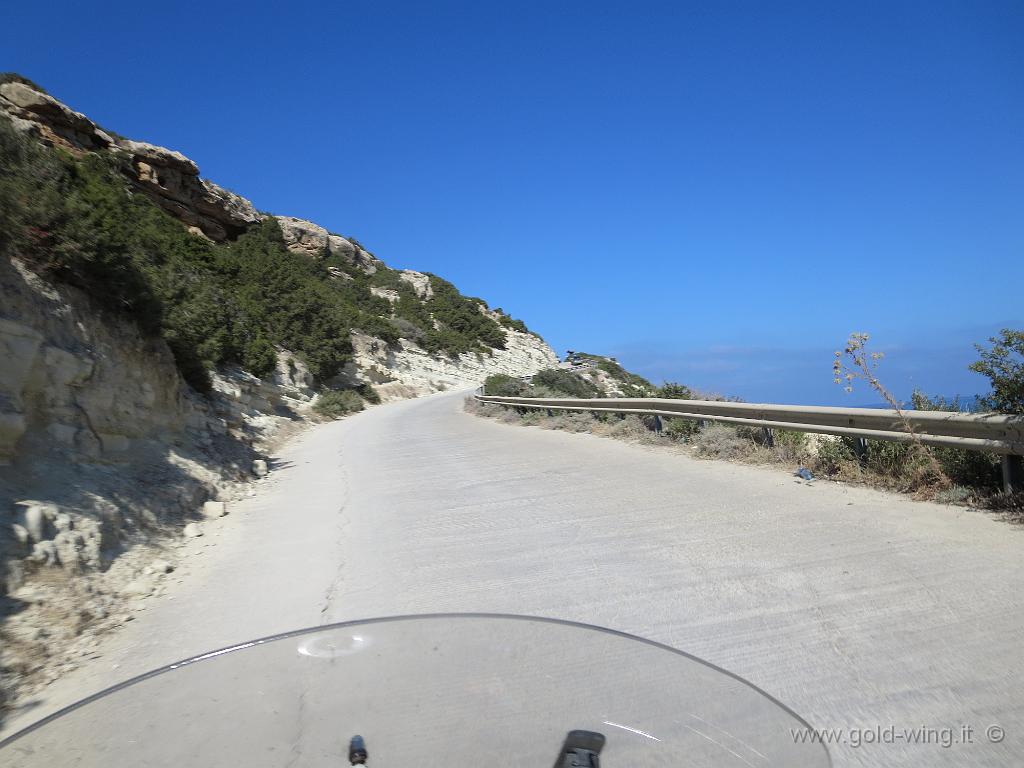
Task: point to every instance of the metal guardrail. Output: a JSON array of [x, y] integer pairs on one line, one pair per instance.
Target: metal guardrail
[[990, 432]]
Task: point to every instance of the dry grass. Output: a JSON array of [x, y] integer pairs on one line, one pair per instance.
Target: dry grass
[[891, 466]]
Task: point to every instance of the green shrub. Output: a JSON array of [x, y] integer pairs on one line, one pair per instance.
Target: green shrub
[[1004, 367], [672, 390], [682, 430], [955, 495], [334, 404], [385, 277], [891, 459], [832, 454], [503, 385], [510, 322], [464, 328], [974, 469], [722, 442], [791, 445], [368, 393], [565, 383]]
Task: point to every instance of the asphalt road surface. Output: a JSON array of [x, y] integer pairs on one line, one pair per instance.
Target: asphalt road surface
[[896, 622]]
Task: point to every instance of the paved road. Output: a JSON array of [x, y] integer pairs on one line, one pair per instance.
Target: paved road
[[858, 609]]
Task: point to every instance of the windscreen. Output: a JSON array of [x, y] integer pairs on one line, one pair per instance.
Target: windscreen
[[462, 690]]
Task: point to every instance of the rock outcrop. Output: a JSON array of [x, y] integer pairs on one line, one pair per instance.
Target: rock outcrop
[[170, 178], [410, 371], [50, 121], [173, 181], [101, 440], [312, 240], [419, 282]]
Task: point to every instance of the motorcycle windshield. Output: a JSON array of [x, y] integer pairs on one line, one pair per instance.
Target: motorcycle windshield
[[448, 690]]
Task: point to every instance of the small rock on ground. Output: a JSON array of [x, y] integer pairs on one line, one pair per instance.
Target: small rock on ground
[[214, 509]]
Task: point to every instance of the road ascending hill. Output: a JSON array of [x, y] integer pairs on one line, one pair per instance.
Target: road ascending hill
[[856, 608]]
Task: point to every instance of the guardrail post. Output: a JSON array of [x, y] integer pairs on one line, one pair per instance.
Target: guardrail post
[[860, 449], [550, 413], [657, 424], [769, 436], [1013, 473]]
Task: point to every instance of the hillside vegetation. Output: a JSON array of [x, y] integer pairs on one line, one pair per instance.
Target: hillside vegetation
[[75, 219]]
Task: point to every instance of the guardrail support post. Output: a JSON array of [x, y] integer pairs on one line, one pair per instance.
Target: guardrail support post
[[860, 449], [769, 436], [657, 424], [1013, 473], [550, 413]]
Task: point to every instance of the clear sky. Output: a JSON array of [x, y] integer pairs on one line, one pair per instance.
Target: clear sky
[[716, 193]]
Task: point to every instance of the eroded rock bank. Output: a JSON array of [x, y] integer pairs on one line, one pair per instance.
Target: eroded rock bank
[[105, 454]]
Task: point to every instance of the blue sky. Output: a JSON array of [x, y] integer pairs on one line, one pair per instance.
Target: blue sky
[[716, 193]]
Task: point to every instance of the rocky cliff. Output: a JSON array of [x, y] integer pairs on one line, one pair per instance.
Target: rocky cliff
[[88, 392], [104, 447]]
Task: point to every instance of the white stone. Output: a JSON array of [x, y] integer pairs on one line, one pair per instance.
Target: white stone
[[193, 530], [140, 587], [259, 468], [385, 293], [214, 509], [44, 553], [21, 536], [35, 521]]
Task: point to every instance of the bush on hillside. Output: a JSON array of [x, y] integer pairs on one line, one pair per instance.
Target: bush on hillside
[[464, 328], [503, 385], [368, 393], [565, 383], [514, 323], [76, 221], [337, 403]]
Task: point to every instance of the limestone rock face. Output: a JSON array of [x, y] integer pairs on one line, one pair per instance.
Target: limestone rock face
[[419, 282], [72, 381], [309, 239], [169, 177], [385, 293], [98, 426], [172, 180], [411, 371], [45, 117]]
